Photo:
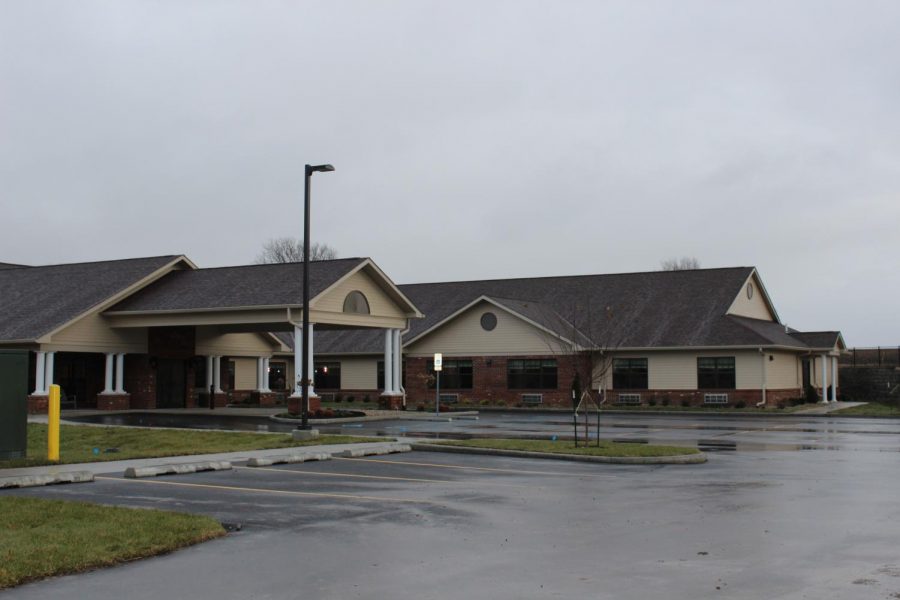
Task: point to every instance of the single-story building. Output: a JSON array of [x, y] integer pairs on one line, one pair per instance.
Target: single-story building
[[159, 332]]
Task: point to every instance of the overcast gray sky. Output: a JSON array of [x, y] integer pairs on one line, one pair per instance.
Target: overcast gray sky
[[471, 139]]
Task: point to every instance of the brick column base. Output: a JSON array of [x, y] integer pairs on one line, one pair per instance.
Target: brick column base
[[390, 402], [37, 405], [113, 401], [315, 403]]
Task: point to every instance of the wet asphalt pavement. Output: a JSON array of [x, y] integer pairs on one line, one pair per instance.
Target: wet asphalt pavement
[[803, 508]]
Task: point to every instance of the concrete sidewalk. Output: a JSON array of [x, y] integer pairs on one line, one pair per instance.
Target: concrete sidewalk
[[112, 466], [824, 409]]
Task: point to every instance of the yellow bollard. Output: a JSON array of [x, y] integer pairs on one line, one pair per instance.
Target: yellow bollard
[[53, 424]]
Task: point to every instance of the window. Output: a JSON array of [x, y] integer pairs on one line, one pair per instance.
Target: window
[[327, 376], [380, 375], [356, 303], [278, 375], [488, 321], [715, 373], [532, 398], [715, 398], [456, 374], [531, 374], [630, 374]]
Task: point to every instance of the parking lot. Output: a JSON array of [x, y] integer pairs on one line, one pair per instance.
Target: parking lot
[[763, 523]]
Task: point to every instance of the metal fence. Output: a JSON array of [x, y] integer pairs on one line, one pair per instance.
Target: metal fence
[[880, 356]]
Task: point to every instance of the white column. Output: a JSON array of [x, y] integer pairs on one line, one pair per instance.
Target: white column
[[217, 373], [298, 359], [260, 365], [39, 374], [108, 385], [265, 379], [388, 367], [48, 370], [120, 373], [210, 376], [311, 362], [825, 378], [834, 366], [397, 362]]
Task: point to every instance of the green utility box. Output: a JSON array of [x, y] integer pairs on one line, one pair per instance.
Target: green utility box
[[13, 403]]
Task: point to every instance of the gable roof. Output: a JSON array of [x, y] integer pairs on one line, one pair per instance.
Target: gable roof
[[4, 265], [64, 292], [657, 309], [819, 339], [279, 284]]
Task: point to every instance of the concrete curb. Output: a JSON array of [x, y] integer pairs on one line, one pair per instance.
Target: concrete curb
[[375, 451], [398, 415], [684, 459], [176, 469], [288, 459], [24, 481]]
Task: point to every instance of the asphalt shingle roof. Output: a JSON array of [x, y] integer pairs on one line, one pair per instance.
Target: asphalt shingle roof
[[817, 339], [36, 300], [629, 310], [228, 287]]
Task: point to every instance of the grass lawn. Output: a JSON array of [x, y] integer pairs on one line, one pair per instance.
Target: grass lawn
[[872, 409], [40, 538], [566, 447], [77, 443]]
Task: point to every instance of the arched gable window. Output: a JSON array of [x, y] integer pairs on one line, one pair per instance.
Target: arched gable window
[[356, 302]]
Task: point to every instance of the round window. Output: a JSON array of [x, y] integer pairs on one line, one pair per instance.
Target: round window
[[749, 290], [488, 321]]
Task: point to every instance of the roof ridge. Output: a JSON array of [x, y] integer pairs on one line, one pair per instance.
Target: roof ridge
[[276, 264], [579, 276], [97, 262]]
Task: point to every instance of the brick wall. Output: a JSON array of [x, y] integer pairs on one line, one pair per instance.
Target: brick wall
[[140, 381], [695, 397]]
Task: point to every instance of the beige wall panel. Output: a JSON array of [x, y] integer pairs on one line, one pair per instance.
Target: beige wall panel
[[816, 372], [678, 370], [754, 307], [245, 374], [232, 344], [782, 372], [359, 373], [380, 304], [463, 336], [93, 334]]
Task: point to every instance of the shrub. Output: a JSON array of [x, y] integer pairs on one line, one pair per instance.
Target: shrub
[[367, 399], [338, 398], [811, 396], [651, 402], [740, 404], [780, 406], [665, 401], [420, 407], [351, 398], [685, 402], [484, 402]]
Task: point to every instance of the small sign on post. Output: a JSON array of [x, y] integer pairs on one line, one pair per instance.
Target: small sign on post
[[438, 365]]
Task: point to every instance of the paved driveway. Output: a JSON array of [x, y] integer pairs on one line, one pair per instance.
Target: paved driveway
[[766, 523]]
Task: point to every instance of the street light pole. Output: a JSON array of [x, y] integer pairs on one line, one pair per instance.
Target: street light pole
[[304, 381]]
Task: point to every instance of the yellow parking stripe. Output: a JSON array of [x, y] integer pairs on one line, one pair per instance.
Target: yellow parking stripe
[[494, 470], [267, 491], [414, 479]]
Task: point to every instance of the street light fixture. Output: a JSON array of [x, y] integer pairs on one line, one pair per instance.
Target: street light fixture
[[304, 382]]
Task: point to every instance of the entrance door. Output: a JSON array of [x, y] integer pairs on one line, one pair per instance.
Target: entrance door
[[170, 383]]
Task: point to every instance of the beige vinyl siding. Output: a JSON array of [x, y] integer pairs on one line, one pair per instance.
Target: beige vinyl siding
[[464, 336], [210, 342], [380, 304], [359, 373], [245, 374], [678, 370], [783, 372], [755, 307], [92, 333]]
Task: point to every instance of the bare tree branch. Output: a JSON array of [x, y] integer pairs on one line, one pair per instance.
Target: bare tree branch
[[685, 263], [287, 249]]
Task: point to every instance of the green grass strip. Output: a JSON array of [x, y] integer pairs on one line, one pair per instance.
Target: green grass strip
[[616, 449], [77, 443], [872, 409], [41, 538]]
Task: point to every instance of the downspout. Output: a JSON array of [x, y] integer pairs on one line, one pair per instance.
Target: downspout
[[762, 356]]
